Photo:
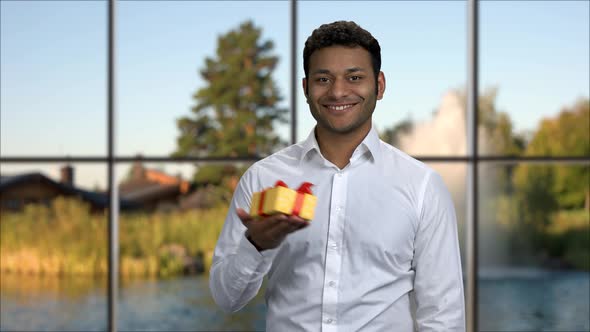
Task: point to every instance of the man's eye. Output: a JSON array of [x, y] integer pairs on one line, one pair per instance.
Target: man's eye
[[355, 78], [322, 79]]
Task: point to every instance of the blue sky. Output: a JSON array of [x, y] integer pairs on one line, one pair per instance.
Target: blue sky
[[53, 64]]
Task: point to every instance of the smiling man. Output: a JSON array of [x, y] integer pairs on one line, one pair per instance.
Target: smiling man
[[384, 226]]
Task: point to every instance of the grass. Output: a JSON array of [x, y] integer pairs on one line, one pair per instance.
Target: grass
[[65, 238], [568, 237]]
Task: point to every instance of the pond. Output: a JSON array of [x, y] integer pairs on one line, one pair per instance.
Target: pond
[[514, 300]]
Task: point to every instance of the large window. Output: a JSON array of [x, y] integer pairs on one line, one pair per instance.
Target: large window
[[522, 199], [533, 217]]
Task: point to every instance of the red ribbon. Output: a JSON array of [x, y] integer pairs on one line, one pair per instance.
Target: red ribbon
[[305, 188], [279, 183]]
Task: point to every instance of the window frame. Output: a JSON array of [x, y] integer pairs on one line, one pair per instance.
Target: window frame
[[472, 159]]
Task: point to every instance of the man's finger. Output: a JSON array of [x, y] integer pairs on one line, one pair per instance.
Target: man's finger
[[244, 216]]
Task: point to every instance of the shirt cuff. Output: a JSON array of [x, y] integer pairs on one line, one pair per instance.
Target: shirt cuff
[[253, 260]]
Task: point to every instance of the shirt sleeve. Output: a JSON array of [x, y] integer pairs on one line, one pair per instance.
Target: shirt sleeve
[[238, 268], [438, 283]]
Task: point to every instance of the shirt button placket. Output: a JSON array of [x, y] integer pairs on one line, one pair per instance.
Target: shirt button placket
[[333, 256]]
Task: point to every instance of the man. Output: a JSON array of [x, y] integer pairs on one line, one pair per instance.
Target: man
[[384, 223]]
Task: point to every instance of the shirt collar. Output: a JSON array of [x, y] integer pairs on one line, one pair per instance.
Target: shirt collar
[[370, 143], [310, 144]]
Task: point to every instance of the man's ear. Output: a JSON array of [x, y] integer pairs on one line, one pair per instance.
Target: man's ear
[[380, 85], [304, 85]]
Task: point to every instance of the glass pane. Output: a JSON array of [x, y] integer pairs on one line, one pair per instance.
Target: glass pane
[[166, 246], [53, 78], [534, 78], [53, 247], [160, 76], [423, 52], [534, 247]]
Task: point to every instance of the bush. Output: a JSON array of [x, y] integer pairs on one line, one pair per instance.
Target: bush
[[65, 238]]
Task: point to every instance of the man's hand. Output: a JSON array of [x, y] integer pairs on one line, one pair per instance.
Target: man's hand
[[269, 232]]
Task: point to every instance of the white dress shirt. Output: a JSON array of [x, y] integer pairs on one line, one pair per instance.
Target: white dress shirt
[[384, 226]]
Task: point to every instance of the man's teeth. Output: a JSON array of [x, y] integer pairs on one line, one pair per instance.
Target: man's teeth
[[340, 108]]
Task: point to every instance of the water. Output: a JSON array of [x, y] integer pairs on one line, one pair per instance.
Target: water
[[534, 300], [514, 300], [80, 304]]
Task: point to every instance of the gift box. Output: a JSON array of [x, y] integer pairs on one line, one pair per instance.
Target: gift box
[[282, 199]]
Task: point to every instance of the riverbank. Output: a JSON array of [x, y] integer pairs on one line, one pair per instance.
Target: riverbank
[[65, 238]]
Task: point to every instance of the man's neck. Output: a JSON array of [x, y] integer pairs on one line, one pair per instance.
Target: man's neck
[[338, 148]]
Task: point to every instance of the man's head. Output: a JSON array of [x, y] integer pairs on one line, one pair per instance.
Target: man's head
[[342, 33], [342, 80]]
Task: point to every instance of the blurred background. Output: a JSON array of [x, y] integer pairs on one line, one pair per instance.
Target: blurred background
[[202, 79]]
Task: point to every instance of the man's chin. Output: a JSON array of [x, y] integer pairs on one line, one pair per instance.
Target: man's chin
[[341, 130]]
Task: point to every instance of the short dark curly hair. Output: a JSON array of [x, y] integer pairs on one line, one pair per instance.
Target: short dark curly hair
[[344, 33]]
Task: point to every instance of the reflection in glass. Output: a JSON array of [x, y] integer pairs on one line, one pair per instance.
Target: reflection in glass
[[53, 252], [534, 247]]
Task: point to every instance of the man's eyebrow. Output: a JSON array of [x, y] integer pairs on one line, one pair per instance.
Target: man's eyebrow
[[348, 71], [320, 71], [354, 69]]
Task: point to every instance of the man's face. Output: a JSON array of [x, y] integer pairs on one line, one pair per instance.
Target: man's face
[[341, 90]]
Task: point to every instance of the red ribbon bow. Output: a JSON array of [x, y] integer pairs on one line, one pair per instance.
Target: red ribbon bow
[[304, 188]]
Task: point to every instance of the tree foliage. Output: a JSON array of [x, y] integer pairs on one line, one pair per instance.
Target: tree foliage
[[566, 135], [236, 110]]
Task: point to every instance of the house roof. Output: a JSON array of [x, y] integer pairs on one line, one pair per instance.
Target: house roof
[[145, 185], [98, 199], [150, 191]]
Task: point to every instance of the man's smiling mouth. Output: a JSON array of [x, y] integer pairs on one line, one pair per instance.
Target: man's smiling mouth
[[339, 107]]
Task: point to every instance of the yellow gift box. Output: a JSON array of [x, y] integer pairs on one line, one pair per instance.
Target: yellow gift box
[[282, 199]]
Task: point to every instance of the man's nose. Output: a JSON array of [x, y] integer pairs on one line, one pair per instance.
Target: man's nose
[[339, 88]]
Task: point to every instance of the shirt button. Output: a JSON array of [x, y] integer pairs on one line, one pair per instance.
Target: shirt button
[[329, 321], [332, 283]]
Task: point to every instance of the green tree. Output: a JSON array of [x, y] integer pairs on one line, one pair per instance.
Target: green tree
[[557, 197], [235, 112], [567, 134]]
